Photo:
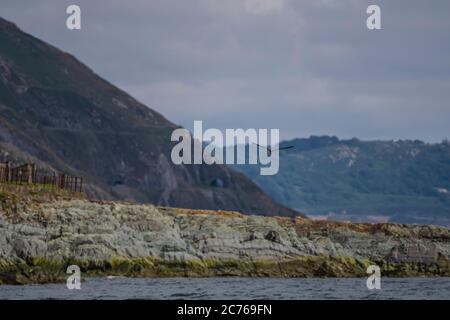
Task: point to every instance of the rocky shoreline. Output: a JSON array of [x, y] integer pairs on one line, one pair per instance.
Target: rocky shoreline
[[39, 239]]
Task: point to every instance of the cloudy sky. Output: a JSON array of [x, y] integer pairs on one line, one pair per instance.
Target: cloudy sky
[[306, 67]]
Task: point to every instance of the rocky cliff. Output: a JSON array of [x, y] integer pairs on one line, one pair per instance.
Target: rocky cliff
[[39, 239]]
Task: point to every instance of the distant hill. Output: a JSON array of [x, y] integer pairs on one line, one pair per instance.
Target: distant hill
[[403, 181], [57, 112]]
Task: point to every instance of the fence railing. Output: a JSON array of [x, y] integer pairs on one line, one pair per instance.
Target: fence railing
[[30, 174]]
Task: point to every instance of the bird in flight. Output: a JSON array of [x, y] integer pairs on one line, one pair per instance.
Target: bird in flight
[[270, 150]]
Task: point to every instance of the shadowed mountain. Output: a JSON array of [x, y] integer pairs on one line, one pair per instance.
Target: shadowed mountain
[[57, 112]]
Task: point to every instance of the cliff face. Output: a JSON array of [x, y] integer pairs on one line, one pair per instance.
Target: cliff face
[[39, 240], [57, 112]]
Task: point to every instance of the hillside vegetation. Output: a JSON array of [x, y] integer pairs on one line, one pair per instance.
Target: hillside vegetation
[[404, 181]]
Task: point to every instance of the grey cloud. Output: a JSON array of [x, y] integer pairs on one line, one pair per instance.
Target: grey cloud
[[306, 67]]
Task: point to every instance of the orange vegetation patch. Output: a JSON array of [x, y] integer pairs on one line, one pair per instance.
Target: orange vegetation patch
[[231, 214], [324, 227], [304, 225], [358, 227]]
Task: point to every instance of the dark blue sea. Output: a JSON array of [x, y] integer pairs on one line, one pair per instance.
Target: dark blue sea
[[235, 288]]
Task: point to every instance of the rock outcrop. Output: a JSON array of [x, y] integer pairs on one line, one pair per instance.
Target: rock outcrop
[[38, 240]]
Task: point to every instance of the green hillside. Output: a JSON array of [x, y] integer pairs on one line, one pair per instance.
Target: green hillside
[[404, 181]]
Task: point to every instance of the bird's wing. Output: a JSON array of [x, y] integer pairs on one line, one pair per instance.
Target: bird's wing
[[261, 146], [284, 148]]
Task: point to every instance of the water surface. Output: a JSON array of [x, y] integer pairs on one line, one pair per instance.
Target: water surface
[[235, 288]]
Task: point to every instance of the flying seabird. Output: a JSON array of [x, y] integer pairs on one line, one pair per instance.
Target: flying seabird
[[269, 149]]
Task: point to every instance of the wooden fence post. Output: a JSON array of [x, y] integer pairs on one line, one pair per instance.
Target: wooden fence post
[[32, 178], [62, 180], [29, 176], [8, 171]]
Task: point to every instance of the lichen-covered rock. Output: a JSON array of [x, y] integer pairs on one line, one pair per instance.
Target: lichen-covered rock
[[39, 240]]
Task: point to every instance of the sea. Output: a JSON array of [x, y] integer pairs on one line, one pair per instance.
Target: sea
[[234, 288]]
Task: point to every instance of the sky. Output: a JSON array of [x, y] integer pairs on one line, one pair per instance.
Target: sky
[[305, 67]]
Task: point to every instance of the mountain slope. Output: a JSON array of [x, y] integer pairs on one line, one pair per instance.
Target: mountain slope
[[57, 112], [403, 181]]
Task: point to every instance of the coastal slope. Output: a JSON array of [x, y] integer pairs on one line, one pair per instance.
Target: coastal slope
[[58, 113]]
